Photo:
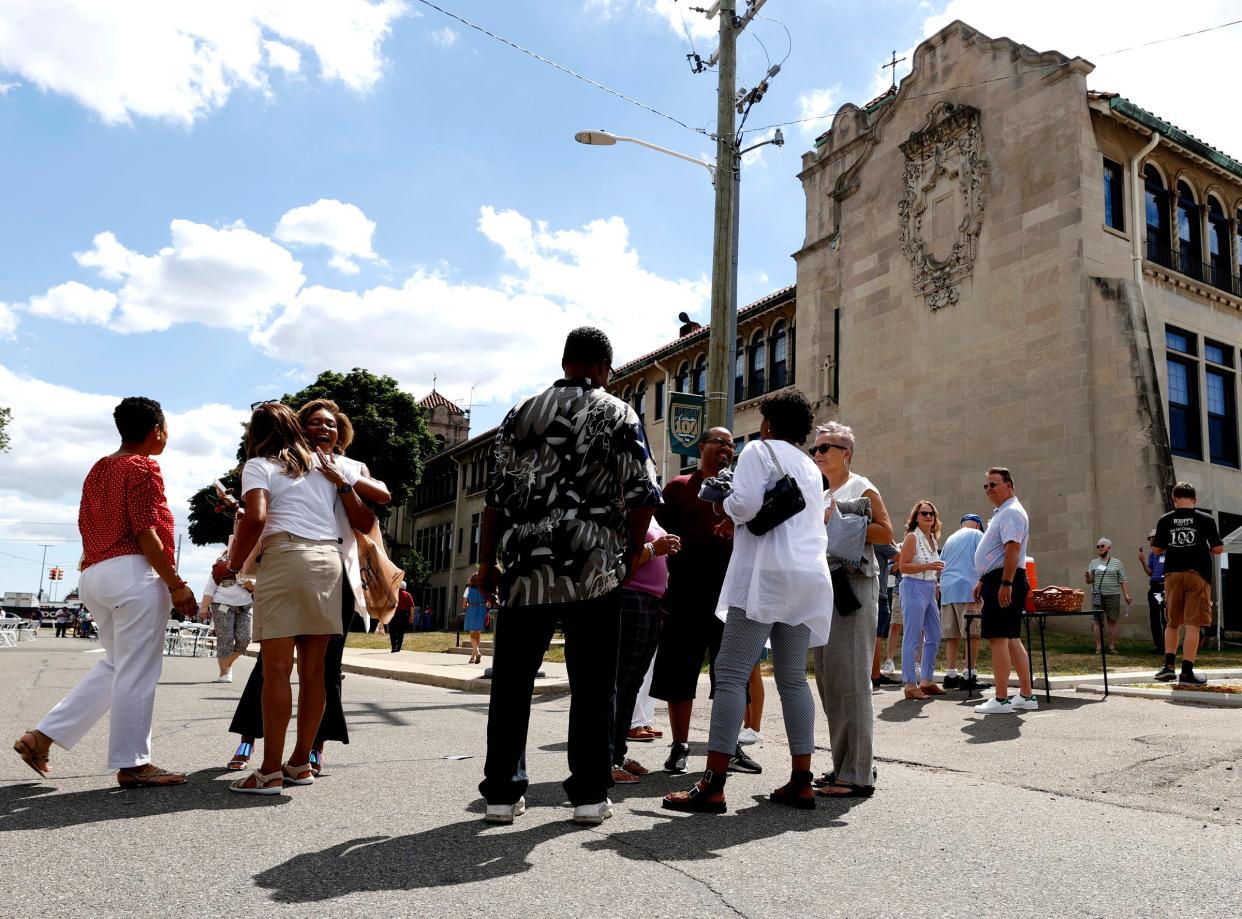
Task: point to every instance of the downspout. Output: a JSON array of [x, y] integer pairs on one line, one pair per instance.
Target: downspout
[[1147, 358], [459, 495]]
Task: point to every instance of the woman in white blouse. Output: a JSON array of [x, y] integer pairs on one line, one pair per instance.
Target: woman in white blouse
[[778, 588]]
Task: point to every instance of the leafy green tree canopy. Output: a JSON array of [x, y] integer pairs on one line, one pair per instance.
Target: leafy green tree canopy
[[6, 415], [390, 437]]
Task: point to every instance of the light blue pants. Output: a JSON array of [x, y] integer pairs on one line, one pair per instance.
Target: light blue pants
[[920, 621]]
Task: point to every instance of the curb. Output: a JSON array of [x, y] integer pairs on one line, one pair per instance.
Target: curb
[[1214, 699], [465, 684]]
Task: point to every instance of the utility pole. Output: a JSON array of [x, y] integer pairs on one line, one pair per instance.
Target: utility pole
[[720, 344], [42, 570]]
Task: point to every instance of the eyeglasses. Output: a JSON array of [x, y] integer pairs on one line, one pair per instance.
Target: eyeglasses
[[720, 442], [824, 448], [927, 513], [988, 486], [1101, 546]]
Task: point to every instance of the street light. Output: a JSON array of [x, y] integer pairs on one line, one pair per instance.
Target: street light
[[721, 335], [608, 139]]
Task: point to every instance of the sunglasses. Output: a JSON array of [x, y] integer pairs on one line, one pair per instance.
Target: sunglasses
[[824, 448], [988, 486], [1101, 546], [927, 513]]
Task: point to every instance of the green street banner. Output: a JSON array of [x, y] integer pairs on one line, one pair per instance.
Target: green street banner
[[685, 423]]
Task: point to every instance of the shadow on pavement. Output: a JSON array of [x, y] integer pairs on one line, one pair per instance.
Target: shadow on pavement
[[904, 710], [36, 806], [997, 728], [470, 851]]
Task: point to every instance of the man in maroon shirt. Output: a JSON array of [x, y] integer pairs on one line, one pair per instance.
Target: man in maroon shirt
[[690, 628]]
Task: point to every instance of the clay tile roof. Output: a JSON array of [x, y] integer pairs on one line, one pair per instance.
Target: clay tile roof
[[434, 400], [1124, 107]]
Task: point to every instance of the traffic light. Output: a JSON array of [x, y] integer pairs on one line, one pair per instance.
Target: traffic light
[[56, 574]]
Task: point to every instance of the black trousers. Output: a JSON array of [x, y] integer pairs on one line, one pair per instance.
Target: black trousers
[[396, 637], [522, 637], [248, 718], [640, 633]]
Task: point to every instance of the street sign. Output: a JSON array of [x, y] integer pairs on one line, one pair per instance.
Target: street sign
[[685, 423]]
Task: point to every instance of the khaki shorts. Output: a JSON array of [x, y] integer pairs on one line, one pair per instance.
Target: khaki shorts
[[1111, 604], [299, 590], [1187, 599], [953, 620], [894, 609]]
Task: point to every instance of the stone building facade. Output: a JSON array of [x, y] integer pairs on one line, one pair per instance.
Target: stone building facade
[[1000, 268]]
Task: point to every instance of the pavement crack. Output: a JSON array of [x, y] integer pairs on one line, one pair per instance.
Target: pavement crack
[[651, 856]]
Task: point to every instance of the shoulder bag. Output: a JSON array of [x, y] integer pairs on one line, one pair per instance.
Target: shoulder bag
[[780, 502]]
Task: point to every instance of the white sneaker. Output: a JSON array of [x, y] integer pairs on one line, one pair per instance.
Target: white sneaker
[[994, 706], [887, 667], [504, 813], [749, 736], [593, 814], [1021, 702], [224, 678]]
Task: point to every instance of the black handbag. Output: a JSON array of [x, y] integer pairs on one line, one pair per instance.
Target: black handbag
[[780, 502]]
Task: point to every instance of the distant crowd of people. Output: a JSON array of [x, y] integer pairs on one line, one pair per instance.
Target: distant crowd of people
[[788, 554]]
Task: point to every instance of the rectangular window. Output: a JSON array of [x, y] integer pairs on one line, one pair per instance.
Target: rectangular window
[[1222, 418], [1114, 195], [475, 532], [1217, 353], [659, 400], [1177, 340], [1184, 431]]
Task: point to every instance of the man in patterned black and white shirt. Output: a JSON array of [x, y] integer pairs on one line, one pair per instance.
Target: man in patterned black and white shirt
[[568, 506]]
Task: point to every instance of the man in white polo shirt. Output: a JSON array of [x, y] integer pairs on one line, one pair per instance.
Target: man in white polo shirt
[[1000, 563]]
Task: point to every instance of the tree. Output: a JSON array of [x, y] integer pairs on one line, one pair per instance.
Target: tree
[[390, 436], [6, 415], [417, 569]]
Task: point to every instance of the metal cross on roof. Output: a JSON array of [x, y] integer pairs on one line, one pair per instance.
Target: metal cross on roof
[[893, 64]]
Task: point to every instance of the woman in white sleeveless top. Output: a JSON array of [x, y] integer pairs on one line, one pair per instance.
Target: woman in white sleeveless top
[[920, 568]]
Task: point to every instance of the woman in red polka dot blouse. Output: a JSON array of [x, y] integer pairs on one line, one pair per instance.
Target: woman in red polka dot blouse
[[129, 581]]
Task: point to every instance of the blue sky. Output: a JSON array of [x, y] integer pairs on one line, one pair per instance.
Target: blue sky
[[211, 207]]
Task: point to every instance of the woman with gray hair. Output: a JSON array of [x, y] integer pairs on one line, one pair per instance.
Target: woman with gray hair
[[1107, 577], [843, 665]]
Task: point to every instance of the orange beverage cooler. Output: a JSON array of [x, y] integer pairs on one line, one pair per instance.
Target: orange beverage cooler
[[1032, 583]]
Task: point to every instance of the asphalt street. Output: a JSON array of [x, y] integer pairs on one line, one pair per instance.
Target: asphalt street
[[1118, 807]]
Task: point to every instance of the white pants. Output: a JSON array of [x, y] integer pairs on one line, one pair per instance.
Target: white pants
[[644, 705], [130, 605]]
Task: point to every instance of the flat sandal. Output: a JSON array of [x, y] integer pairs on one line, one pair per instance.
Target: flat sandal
[[261, 786], [154, 777], [30, 753]]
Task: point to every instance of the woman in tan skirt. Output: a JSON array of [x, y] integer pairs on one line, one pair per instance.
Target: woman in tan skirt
[[290, 506]]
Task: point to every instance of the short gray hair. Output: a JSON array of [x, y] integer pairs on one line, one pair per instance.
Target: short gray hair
[[842, 432], [1105, 540]]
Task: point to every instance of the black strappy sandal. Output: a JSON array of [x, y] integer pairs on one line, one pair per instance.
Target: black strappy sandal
[[790, 794], [697, 800]]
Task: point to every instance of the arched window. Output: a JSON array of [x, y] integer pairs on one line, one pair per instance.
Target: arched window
[[758, 363], [780, 355], [1218, 246], [640, 399], [681, 382], [625, 395], [1189, 232], [1159, 246], [700, 375], [1237, 280], [739, 373]]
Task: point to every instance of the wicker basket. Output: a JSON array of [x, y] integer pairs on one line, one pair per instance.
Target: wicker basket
[[1057, 599]]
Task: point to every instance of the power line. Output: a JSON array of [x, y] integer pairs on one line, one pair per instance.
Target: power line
[[573, 73], [1012, 76]]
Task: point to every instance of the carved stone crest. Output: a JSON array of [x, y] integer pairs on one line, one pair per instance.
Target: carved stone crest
[[941, 207]]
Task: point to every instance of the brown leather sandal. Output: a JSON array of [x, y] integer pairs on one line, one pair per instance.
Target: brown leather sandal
[[30, 753], [151, 776]]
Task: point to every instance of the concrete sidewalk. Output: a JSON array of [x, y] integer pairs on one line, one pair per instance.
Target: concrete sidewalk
[[446, 670]]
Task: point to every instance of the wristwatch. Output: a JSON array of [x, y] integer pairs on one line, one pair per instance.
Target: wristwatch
[[344, 489], [1006, 583]]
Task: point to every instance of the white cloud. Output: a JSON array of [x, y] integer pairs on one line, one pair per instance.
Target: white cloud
[[505, 338], [74, 302], [819, 105], [8, 322], [228, 278], [341, 227], [283, 57], [445, 37], [672, 11], [6, 88], [42, 476], [178, 61], [1157, 78]]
